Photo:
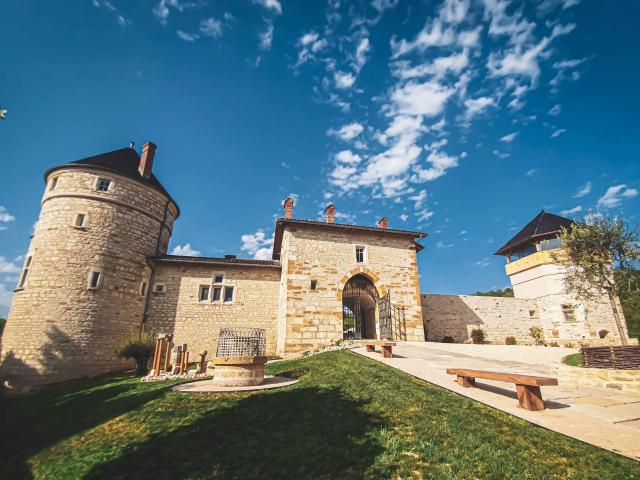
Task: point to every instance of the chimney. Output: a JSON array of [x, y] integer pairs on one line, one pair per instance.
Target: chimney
[[146, 159], [383, 223], [330, 213], [288, 208]]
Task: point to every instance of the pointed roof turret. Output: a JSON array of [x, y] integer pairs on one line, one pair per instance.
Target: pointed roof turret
[[544, 225]]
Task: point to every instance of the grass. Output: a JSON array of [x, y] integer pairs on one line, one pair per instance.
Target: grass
[[348, 417], [573, 360]]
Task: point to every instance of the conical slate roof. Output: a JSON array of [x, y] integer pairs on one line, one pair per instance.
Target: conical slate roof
[[124, 161], [544, 224]]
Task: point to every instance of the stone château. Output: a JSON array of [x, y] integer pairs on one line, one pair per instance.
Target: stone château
[[97, 270]]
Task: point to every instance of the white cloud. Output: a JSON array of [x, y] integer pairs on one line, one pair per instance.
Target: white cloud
[[257, 244], [161, 10], [500, 154], [5, 296], [120, 19], [344, 79], [485, 262], [583, 190], [426, 99], [475, 106], [454, 11], [439, 162], [463, 232], [404, 217], [531, 173], [274, 5], [509, 138], [347, 156], [555, 110], [7, 266], [571, 211], [5, 217], [441, 245], [348, 132], [186, 250], [266, 37], [211, 27], [441, 66], [614, 196], [558, 132], [188, 37], [419, 199]]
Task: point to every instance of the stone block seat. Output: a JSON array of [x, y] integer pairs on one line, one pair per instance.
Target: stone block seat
[[238, 371]]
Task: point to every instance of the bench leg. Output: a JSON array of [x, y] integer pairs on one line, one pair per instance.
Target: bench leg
[[386, 352], [529, 397], [370, 348], [466, 381]]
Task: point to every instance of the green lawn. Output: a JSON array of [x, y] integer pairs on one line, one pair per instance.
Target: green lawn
[[348, 417]]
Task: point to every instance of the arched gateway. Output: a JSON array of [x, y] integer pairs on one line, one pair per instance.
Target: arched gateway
[[359, 309]]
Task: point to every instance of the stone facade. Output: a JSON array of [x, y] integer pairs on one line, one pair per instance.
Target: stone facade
[[58, 328], [178, 310], [312, 318]]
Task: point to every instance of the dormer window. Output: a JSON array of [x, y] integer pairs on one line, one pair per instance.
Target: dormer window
[[103, 184]]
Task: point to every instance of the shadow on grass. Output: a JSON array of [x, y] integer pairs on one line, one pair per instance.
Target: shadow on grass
[[293, 433], [36, 422]]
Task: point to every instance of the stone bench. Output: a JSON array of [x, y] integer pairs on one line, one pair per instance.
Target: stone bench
[[527, 386], [386, 347]]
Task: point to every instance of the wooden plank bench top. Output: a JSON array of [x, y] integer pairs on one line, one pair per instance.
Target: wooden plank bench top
[[386, 347], [527, 386]]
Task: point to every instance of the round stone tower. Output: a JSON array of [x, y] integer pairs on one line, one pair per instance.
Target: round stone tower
[[86, 279]]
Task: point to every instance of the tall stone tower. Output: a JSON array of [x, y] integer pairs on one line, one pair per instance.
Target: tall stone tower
[[85, 280], [534, 274]]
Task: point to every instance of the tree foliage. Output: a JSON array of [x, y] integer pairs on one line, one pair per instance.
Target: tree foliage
[[600, 256], [506, 292]]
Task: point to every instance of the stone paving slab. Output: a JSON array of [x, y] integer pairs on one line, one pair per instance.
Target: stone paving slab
[[604, 418]]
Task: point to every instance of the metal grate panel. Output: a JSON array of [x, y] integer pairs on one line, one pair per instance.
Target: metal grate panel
[[248, 342]]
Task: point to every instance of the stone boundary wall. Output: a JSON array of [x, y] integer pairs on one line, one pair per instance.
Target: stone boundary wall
[[627, 381]]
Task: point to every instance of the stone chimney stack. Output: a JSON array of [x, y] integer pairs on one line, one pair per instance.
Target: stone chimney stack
[[288, 208], [330, 213], [383, 223], [146, 159]]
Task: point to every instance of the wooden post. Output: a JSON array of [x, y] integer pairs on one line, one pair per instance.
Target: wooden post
[[167, 355], [156, 355], [466, 381], [529, 397], [386, 351], [370, 348]]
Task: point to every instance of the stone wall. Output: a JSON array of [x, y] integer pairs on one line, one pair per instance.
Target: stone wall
[[312, 318], [500, 317], [57, 328], [178, 311]]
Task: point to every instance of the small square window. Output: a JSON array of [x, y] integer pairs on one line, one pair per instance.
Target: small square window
[[159, 289], [217, 294], [95, 279], [569, 313], [533, 314], [228, 294], [103, 185], [143, 288], [53, 184], [314, 284], [203, 295], [360, 254], [80, 220], [218, 278]]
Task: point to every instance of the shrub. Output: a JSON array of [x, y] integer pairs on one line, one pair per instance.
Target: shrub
[[510, 340], [538, 335], [477, 335], [140, 348], [573, 360], [447, 339], [570, 345], [554, 344]]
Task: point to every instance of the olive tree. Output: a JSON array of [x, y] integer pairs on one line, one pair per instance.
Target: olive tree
[[600, 256]]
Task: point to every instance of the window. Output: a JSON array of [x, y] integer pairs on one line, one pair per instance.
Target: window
[[218, 277], [569, 313], [314, 284], [142, 291], [217, 294], [533, 314], [550, 244], [80, 221], [228, 294], [159, 289], [24, 276], [95, 279], [53, 184], [360, 254], [203, 295], [103, 184]]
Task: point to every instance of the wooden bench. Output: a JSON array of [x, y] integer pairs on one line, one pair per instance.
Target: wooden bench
[[386, 347], [527, 386]]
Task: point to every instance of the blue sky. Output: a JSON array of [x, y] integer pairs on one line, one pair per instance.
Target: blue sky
[[462, 119]]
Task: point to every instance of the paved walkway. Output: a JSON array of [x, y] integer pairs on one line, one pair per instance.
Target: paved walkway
[[604, 418]]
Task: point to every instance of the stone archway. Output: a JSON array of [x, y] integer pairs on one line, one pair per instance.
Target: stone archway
[[359, 308]]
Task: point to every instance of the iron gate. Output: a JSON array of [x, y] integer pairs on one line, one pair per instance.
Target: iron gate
[[392, 320]]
